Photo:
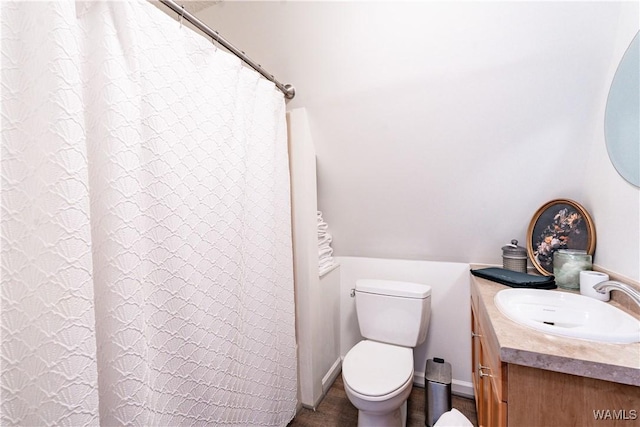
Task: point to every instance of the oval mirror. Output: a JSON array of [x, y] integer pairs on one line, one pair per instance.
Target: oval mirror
[[622, 116]]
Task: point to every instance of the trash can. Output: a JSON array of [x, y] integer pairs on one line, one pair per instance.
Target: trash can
[[437, 384]]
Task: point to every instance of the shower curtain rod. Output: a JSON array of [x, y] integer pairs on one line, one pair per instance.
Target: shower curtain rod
[[288, 90]]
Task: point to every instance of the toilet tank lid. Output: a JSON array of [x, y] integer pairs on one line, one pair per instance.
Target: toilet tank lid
[[393, 288]]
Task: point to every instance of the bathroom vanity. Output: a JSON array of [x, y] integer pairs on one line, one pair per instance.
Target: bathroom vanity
[[523, 377]]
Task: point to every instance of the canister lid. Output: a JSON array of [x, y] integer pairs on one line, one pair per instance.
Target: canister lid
[[571, 253], [438, 371], [514, 249]]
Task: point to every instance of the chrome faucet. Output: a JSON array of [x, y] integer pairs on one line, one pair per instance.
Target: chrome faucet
[[611, 285]]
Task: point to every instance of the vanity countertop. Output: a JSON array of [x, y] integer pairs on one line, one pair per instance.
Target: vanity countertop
[[520, 345]]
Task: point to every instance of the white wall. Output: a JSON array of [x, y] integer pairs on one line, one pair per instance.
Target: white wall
[[317, 298], [450, 324], [615, 204], [441, 127]]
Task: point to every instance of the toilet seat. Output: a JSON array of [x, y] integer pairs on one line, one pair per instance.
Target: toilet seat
[[373, 369]]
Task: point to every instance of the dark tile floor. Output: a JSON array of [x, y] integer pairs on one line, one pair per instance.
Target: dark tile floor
[[335, 410]]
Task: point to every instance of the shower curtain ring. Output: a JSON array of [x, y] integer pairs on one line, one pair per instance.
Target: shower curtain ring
[[181, 15]]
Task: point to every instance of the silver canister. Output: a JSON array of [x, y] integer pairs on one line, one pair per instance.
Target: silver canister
[[514, 257], [437, 394]]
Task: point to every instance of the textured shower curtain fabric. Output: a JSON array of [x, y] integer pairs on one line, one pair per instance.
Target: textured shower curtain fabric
[[146, 241]]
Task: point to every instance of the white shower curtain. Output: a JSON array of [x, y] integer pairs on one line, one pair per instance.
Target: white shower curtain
[[146, 241]]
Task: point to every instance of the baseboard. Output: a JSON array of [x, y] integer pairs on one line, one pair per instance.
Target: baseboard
[[327, 382], [331, 375], [462, 388], [459, 388]]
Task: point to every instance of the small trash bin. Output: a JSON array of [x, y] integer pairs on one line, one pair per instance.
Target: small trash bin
[[437, 384]]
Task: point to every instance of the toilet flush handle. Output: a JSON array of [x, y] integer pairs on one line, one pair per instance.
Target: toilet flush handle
[[353, 292]]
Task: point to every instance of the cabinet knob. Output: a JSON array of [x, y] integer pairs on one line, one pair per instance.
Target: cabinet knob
[[482, 374]]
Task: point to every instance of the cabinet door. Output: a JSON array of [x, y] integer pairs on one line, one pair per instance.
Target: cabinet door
[[475, 351], [497, 408], [479, 386], [485, 416], [492, 411]]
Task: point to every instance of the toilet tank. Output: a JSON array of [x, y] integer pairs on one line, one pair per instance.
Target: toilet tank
[[393, 312]]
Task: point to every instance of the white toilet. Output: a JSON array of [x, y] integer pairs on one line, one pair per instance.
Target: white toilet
[[378, 371]]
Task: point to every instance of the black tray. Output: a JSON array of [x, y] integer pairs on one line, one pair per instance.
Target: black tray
[[515, 279]]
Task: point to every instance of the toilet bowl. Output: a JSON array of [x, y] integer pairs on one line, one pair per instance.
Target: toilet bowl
[[378, 379], [378, 371]]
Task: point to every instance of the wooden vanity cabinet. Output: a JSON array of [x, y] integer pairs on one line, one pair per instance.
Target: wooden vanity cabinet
[[489, 374], [513, 395]]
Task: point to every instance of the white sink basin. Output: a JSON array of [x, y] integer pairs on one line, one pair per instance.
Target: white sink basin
[[568, 315]]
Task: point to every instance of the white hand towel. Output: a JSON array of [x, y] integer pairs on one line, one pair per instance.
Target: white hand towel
[[326, 262], [325, 240], [325, 251], [323, 269], [453, 418]]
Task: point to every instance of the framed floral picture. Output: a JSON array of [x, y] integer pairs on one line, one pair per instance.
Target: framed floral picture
[[558, 224]]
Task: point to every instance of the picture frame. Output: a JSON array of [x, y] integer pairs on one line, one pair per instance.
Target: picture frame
[[559, 224]]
